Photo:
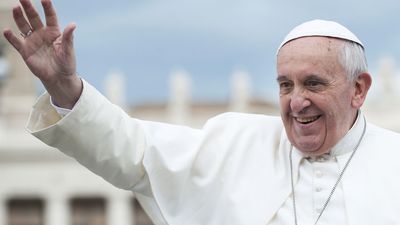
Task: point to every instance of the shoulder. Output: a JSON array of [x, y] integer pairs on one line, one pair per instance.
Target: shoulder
[[381, 134], [382, 140], [244, 119], [233, 122]]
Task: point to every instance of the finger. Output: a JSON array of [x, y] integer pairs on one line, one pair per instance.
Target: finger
[[14, 41], [20, 20], [32, 14], [68, 38], [50, 13]]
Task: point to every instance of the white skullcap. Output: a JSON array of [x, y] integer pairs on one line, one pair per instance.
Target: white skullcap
[[320, 28]]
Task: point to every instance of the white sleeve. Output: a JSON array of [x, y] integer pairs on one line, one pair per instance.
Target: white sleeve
[[62, 111], [106, 140], [152, 159], [98, 134]]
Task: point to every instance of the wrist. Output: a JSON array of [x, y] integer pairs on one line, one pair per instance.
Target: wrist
[[65, 91]]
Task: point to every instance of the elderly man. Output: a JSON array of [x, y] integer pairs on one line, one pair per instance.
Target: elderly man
[[324, 165]]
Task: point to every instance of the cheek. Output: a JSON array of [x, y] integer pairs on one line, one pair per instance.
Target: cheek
[[339, 108], [332, 111], [284, 104], [338, 118]]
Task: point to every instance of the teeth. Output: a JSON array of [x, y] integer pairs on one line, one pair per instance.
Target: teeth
[[306, 119]]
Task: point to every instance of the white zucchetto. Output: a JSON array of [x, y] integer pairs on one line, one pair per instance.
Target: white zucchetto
[[320, 28]]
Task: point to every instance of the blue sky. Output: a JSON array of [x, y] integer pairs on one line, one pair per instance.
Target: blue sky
[[147, 39]]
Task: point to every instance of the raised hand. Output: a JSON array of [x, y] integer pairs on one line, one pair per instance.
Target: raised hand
[[47, 52]]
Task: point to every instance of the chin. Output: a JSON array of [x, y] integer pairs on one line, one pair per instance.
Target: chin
[[315, 153], [311, 149]]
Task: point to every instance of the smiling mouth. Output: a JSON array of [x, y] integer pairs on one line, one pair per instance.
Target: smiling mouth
[[307, 120]]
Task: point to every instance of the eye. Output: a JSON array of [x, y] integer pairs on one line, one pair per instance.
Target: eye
[[285, 86], [315, 85]]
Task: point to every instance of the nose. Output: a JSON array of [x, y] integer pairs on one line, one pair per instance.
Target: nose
[[299, 101]]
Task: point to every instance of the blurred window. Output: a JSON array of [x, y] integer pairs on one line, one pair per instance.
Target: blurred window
[[25, 212], [88, 211]]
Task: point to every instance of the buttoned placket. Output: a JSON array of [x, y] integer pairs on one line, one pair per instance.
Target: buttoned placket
[[320, 183], [317, 177]]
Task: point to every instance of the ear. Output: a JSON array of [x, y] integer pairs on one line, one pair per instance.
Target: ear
[[361, 86]]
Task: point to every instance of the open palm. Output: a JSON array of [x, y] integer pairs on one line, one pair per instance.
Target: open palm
[[47, 52]]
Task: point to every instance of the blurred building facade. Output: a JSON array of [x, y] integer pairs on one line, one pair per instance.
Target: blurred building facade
[[383, 106], [41, 186]]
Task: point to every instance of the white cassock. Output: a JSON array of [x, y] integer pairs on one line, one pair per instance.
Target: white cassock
[[233, 171]]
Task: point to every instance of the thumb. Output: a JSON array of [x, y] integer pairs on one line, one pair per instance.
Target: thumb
[[67, 41]]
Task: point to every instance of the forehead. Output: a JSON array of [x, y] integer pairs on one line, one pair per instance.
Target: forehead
[[316, 43], [314, 55]]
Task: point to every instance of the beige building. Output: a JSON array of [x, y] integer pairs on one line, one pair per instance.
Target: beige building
[[40, 186]]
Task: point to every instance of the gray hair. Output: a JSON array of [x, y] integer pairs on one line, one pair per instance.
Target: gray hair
[[353, 60]]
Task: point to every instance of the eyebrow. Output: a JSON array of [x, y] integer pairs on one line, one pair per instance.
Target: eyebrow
[[309, 77], [282, 78], [315, 77]]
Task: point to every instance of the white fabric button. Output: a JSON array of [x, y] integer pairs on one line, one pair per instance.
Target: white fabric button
[[318, 189], [318, 210], [318, 173]]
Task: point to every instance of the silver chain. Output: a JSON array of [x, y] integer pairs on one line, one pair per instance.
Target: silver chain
[[334, 186]]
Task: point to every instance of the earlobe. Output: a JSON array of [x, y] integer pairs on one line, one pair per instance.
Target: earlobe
[[361, 86]]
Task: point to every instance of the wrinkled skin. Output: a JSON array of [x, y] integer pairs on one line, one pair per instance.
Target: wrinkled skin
[[318, 101]]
